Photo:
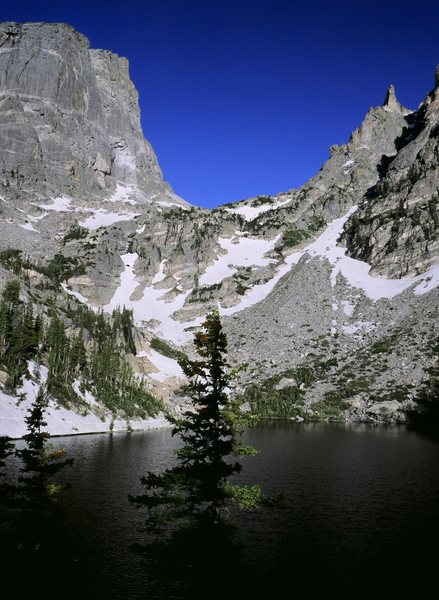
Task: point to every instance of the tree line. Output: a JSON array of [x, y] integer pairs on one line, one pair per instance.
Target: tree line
[[91, 354]]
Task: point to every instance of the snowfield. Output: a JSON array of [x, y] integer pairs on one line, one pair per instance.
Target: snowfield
[[251, 212], [103, 218], [60, 420], [239, 252]]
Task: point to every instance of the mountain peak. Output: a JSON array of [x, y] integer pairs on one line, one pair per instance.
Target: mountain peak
[[436, 77], [390, 101]]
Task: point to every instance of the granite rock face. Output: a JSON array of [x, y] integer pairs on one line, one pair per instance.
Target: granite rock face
[[69, 119], [396, 228]]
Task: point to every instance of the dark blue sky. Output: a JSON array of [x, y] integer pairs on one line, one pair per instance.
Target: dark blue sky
[[244, 97]]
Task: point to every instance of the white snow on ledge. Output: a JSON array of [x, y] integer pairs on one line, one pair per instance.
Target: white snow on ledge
[[152, 305], [60, 420], [246, 252], [166, 367], [123, 193], [61, 204], [103, 218], [356, 272], [78, 296], [29, 227], [251, 212]]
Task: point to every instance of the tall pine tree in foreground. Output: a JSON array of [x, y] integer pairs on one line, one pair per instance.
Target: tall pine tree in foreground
[[197, 488]]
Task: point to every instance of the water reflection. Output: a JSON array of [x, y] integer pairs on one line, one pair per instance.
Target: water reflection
[[361, 522]]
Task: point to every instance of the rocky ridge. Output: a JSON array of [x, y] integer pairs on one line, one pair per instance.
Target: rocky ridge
[[324, 337]]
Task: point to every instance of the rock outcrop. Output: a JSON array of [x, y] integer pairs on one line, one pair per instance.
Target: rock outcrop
[[69, 119]]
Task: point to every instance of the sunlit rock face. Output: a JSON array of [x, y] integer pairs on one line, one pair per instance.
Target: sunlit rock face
[[329, 292], [69, 118], [396, 228]]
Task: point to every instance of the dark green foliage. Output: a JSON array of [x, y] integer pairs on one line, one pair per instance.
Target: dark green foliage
[[196, 488], [261, 200], [6, 489], [12, 260], [39, 460], [76, 232], [32, 515], [316, 223], [123, 322], [94, 355], [61, 267], [167, 350], [114, 383], [19, 334], [268, 401], [293, 236], [58, 269]]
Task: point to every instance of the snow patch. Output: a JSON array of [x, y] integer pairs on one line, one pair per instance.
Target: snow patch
[[356, 272], [103, 218], [123, 194], [251, 212], [29, 227], [61, 204], [127, 285], [60, 420], [151, 306], [348, 307], [160, 275], [170, 203], [167, 367], [353, 328], [245, 253], [78, 296]]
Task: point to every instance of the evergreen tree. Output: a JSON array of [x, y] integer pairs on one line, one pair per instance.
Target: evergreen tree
[[197, 487], [37, 492], [18, 336]]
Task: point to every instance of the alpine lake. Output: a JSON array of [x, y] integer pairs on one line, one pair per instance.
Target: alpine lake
[[360, 520]]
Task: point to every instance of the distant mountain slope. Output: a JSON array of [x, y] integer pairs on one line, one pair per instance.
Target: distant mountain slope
[[328, 292]]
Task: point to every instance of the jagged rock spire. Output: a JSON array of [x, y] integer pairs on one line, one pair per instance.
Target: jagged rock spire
[[390, 101], [436, 77]]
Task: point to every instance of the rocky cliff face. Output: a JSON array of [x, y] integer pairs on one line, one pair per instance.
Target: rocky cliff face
[[395, 230], [325, 338], [70, 119]]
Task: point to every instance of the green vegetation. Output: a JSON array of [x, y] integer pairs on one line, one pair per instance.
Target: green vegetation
[[89, 355], [59, 267], [76, 232], [316, 223], [197, 488], [167, 350], [294, 236], [261, 200], [425, 414], [268, 399]]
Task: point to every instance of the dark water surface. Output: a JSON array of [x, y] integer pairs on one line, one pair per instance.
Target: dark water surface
[[362, 519]]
